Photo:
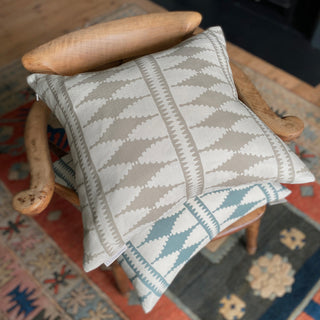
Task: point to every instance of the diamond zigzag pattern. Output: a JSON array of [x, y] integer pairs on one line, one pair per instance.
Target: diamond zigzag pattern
[[156, 131], [147, 103], [172, 240]]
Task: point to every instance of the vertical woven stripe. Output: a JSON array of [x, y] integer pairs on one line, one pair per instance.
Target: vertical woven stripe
[[93, 197], [179, 134]]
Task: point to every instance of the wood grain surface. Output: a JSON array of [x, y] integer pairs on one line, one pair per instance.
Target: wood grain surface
[[106, 44], [26, 24], [37, 197]]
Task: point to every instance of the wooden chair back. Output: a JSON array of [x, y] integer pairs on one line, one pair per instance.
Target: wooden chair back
[[108, 44]]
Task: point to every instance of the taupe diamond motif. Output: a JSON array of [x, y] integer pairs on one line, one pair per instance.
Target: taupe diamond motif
[[156, 131]]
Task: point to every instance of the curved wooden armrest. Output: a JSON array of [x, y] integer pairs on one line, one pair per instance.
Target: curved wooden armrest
[[37, 197], [287, 128], [98, 46]]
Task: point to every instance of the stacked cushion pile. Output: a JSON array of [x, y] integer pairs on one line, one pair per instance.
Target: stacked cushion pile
[[163, 141]]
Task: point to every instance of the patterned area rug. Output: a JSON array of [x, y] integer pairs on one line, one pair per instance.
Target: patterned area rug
[[275, 283], [37, 280], [41, 258]]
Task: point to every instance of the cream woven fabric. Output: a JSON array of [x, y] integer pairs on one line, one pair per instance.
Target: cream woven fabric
[[154, 132]]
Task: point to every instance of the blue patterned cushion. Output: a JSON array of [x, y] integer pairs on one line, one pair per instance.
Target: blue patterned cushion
[[64, 172], [158, 252]]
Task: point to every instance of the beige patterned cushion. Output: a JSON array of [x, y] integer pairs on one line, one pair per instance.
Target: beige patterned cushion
[[154, 132]]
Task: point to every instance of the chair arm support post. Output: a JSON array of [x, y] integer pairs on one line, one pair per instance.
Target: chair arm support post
[[287, 128], [67, 194], [37, 197]]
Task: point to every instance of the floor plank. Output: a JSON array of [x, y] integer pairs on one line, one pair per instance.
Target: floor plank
[[25, 24], [288, 81]]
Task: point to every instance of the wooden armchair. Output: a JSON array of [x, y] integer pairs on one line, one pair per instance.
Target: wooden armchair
[[109, 44]]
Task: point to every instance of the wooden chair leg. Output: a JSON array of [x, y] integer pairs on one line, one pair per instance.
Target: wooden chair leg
[[122, 281], [252, 232]]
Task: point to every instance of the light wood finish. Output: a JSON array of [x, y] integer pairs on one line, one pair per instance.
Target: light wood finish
[[121, 279], [36, 199], [252, 232], [213, 246], [99, 46], [287, 128], [242, 223], [68, 194], [26, 24], [251, 223]]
